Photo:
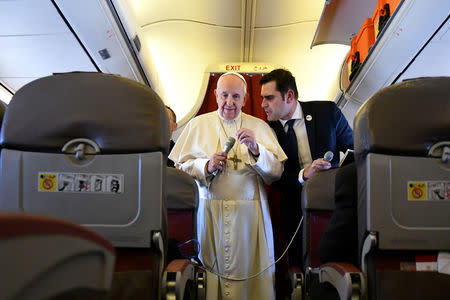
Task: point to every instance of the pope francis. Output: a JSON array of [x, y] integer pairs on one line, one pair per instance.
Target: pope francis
[[233, 220]]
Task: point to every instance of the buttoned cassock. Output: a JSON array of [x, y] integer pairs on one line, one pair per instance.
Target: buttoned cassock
[[233, 219]]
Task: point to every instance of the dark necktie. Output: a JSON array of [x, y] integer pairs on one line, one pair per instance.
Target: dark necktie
[[291, 148]]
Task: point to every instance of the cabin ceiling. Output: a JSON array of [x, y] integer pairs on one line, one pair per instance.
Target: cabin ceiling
[[179, 41], [35, 42], [184, 41], [233, 22]]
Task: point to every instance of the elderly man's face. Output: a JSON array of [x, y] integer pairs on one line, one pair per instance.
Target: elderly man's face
[[230, 96]]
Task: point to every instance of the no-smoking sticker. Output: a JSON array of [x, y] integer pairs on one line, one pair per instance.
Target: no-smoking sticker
[[47, 182], [429, 190]]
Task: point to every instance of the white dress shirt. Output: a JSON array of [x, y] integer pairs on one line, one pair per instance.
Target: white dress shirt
[[304, 151]]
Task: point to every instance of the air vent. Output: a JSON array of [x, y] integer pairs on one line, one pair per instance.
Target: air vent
[[137, 43], [104, 53]]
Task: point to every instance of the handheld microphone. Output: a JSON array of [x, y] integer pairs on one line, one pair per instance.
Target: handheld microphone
[[328, 156], [229, 144]]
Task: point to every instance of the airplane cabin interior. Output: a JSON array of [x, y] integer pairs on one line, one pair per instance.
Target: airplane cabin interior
[[89, 208]]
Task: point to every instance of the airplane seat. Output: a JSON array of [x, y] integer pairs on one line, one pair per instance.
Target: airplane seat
[[402, 151], [317, 202], [50, 258], [182, 204], [92, 148], [317, 208]]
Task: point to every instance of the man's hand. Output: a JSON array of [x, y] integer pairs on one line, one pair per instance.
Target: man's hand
[[318, 165], [247, 137], [217, 161]]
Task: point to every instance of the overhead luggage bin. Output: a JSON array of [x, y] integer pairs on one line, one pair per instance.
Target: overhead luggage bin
[[360, 47], [382, 13], [340, 21]]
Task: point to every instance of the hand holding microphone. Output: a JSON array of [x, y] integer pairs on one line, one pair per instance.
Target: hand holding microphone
[[328, 156], [229, 144], [318, 165], [215, 163]]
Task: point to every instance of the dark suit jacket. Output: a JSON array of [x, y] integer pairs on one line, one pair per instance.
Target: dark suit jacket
[[327, 130], [170, 163]]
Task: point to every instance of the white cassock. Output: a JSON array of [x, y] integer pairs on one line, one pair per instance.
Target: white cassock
[[233, 220]]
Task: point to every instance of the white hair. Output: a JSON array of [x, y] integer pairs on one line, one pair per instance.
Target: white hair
[[238, 75]]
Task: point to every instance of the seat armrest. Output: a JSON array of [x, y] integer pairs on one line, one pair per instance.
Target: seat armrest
[[348, 280], [342, 267], [297, 280], [176, 277], [178, 265]]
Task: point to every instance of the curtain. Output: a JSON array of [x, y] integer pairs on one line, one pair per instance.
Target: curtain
[[252, 105]]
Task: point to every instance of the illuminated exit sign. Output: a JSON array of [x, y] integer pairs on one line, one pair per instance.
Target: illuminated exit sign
[[243, 68]]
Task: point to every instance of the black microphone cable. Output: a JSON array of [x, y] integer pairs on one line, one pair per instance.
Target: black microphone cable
[[209, 269]]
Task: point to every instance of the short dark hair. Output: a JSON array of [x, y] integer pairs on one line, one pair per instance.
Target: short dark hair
[[284, 81], [173, 113]]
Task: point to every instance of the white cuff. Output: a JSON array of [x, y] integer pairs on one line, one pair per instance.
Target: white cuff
[[300, 176], [201, 164], [254, 159]]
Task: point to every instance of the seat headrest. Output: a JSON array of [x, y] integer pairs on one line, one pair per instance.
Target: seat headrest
[[13, 225], [318, 191], [119, 114], [404, 119]]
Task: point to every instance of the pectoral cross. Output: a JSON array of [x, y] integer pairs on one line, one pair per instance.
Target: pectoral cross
[[235, 161]]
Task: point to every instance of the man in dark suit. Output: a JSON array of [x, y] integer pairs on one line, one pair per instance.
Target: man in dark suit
[[319, 126]]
